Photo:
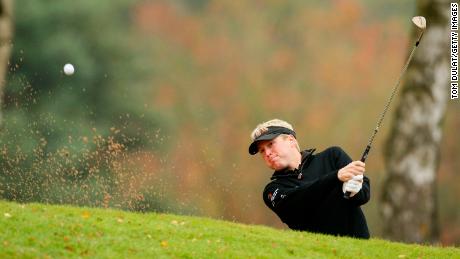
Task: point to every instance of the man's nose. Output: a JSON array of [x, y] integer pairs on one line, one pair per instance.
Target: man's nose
[[267, 152]]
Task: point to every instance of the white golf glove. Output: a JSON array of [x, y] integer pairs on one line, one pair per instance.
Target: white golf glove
[[354, 185]]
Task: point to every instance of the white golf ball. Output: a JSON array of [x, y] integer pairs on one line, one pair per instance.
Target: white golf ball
[[69, 69]]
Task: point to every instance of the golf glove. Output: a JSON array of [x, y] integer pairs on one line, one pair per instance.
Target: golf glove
[[354, 185]]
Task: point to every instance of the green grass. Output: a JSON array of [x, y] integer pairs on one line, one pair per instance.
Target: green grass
[[46, 231]]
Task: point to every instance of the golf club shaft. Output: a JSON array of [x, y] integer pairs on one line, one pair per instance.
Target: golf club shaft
[[371, 139]]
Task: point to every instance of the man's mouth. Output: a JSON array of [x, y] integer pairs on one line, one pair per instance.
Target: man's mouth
[[273, 160]]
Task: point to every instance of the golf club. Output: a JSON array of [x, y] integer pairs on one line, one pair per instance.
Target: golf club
[[420, 22]]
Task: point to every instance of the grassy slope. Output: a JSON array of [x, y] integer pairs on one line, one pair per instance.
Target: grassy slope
[[57, 231]]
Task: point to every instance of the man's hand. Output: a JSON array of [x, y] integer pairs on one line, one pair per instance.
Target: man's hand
[[354, 185], [354, 168]]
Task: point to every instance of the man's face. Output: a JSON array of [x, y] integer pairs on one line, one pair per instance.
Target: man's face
[[278, 152]]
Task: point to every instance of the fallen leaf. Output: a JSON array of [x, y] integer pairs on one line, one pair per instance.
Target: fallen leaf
[[69, 248], [7, 215], [164, 243]]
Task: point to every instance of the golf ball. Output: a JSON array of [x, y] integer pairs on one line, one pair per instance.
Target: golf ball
[[69, 69]]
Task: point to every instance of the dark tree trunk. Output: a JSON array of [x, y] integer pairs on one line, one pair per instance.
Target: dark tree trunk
[[412, 150], [6, 33]]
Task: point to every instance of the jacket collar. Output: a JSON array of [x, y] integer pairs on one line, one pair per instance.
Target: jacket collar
[[306, 155]]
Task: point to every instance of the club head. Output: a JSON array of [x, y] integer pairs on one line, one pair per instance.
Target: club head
[[420, 22]]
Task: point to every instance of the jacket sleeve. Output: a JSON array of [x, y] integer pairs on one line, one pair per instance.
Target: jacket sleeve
[[363, 196], [286, 201], [313, 192]]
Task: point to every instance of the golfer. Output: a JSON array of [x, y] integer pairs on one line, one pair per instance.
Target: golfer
[[307, 189]]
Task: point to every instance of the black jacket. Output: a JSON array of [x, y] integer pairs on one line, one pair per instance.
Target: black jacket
[[311, 197]]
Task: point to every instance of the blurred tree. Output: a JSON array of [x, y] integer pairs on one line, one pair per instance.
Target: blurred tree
[[6, 33], [412, 151]]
